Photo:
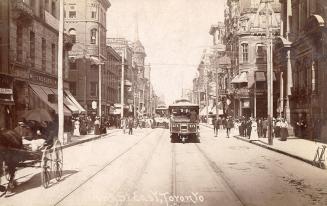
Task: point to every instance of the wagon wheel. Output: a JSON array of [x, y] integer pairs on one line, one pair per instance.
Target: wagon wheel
[[5, 171], [57, 160], [46, 167]]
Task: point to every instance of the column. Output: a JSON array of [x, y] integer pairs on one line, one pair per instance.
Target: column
[[289, 84], [281, 91]]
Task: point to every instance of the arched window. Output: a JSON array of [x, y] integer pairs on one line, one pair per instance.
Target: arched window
[[245, 52], [72, 33], [93, 36]]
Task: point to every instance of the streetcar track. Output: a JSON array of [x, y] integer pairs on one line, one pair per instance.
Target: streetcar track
[[173, 171], [104, 167], [217, 171], [145, 166]]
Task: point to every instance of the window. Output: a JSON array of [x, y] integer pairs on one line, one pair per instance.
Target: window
[[94, 89], [19, 43], [93, 36], [46, 5], [32, 48], [72, 33], [53, 58], [245, 52], [72, 14], [53, 8], [93, 14], [44, 54], [72, 88], [261, 54]]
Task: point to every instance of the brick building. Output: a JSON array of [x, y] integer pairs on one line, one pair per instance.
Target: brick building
[[300, 55], [85, 21], [245, 39], [28, 59]]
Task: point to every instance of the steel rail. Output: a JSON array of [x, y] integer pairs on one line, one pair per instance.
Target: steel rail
[[103, 167]]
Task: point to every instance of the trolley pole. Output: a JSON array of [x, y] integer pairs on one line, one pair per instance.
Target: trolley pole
[[60, 72]]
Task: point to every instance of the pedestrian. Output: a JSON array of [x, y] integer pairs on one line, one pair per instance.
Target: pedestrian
[[229, 125], [123, 124], [248, 127], [283, 130], [214, 120], [260, 127], [76, 128], [217, 125], [264, 127], [97, 126], [130, 126], [254, 130]]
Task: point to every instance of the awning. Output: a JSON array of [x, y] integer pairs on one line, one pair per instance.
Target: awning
[[220, 109], [95, 60], [72, 99], [67, 102], [203, 112], [235, 79], [261, 76], [42, 92], [240, 78], [128, 83]]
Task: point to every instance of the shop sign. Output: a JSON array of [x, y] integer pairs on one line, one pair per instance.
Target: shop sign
[[5, 91], [246, 104], [43, 79]]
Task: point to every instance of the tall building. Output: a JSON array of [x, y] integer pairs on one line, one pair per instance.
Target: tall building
[[300, 54], [85, 21], [123, 48], [246, 24], [29, 59]]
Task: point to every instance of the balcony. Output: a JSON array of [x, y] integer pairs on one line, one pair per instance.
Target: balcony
[[22, 11]]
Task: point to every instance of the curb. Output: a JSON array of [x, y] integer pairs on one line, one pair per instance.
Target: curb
[[86, 140], [272, 149], [276, 150]]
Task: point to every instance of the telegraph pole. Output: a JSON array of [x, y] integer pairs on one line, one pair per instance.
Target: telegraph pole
[[217, 93], [269, 74], [60, 72], [122, 83], [100, 77]]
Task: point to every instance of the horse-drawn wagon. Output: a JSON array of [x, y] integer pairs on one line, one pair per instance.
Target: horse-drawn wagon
[[16, 152]]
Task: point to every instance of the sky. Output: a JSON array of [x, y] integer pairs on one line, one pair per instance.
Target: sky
[[174, 34]]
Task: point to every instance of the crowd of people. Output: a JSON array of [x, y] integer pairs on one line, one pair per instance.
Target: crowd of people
[[251, 128]]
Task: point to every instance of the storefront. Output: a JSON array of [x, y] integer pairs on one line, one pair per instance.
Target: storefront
[[6, 102]]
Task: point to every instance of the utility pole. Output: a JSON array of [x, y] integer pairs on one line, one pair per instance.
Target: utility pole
[[269, 74], [217, 92], [207, 99], [100, 77], [60, 72], [122, 83]]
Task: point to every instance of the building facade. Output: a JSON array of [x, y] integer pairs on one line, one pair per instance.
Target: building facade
[[246, 23], [29, 59], [300, 53], [85, 21]]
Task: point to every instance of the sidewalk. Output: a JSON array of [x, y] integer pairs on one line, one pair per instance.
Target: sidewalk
[[301, 149], [74, 140]]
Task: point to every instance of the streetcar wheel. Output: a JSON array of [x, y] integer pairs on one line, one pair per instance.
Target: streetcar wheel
[[57, 160], [46, 168]]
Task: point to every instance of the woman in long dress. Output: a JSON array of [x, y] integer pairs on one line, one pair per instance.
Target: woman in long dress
[[254, 130], [76, 128]]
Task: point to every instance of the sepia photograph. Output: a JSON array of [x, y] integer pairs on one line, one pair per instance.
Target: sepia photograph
[[163, 102]]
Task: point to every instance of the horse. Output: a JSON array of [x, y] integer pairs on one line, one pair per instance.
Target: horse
[[11, 141]]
